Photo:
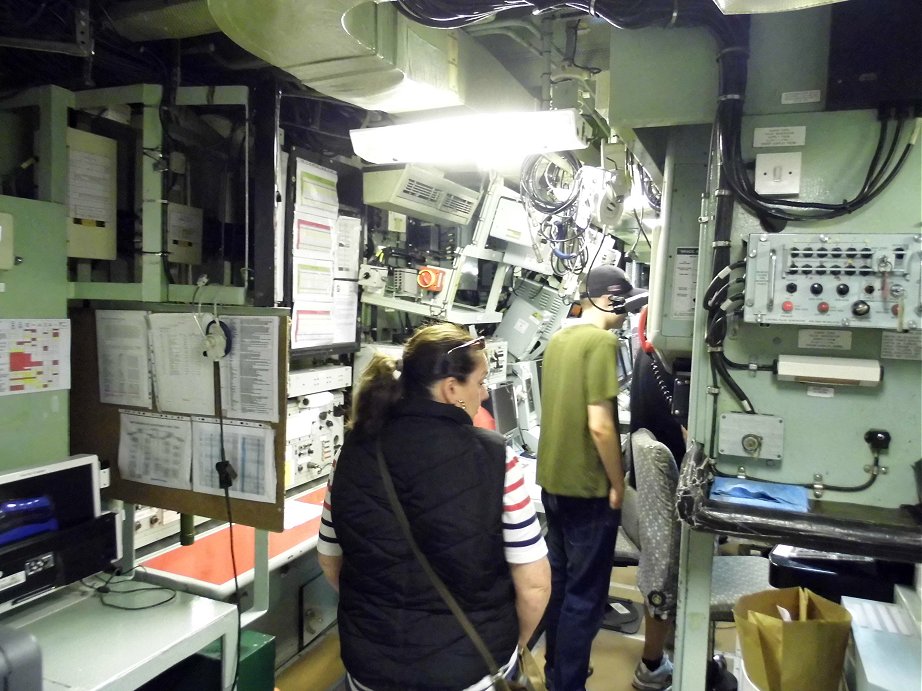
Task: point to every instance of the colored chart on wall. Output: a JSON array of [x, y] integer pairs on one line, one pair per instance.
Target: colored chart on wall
[[34, 355]]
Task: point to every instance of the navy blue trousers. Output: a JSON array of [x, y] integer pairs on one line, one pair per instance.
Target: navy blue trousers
[[581, 545]]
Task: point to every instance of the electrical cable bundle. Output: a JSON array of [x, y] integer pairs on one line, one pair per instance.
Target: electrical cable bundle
[[622, 14], [719, 303], [771, 210], [650, 191], [550, 186]]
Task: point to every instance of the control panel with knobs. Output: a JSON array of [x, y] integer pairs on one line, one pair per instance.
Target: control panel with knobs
[[864, 281]]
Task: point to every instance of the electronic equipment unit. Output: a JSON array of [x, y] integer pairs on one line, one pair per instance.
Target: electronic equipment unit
[[505, 411], [837, 280], [497, 360], [80, 541], [302, 382], [314, 434], [532, 316]]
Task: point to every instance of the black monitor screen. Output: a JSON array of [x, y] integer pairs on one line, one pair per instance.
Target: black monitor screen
[[625, 361], [505, 411]]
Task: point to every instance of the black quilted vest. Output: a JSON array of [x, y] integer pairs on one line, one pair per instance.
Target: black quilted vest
[[395, 631]]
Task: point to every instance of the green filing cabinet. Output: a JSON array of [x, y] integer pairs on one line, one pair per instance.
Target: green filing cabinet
[[202, 671]]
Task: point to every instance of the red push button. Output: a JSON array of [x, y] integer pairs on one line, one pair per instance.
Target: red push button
[[895, 310], [823, 307], [787, 306]]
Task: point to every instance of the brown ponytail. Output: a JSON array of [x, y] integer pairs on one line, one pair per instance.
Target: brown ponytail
[[424, 363]]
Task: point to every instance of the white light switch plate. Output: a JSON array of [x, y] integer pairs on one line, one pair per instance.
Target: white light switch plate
[[778, 174]]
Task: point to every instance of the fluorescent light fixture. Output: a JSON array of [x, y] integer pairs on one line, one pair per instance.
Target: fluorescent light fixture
[[762, 6], [483, 139]]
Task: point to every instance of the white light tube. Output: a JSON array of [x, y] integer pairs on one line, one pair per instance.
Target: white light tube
[[487, 140]]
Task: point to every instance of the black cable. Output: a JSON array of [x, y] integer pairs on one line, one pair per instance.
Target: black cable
[[226, 477], [108, 588], [718, 364], [539, 199], [874, 472], [739, 365]]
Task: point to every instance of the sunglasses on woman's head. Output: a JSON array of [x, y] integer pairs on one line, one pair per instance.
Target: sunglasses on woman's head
[[475, 344]]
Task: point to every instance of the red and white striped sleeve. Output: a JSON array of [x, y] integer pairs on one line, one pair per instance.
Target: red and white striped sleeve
[[522, 538]]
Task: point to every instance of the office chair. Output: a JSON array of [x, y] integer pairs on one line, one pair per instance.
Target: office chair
[[649, 521]]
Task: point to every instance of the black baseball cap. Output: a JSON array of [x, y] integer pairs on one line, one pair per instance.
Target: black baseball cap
[[608, 280]]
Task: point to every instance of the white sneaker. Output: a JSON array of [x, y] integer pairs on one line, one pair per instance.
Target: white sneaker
[[655, 680]]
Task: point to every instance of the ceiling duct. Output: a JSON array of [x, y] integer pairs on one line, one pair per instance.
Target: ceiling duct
[[155, 20], [370, 55]]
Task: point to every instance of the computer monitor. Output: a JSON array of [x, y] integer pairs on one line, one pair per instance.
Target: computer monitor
[[505, 411], [625, 361], [529, 401]]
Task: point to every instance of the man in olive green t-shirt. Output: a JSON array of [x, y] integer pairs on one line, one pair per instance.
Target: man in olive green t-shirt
[[580, 473]]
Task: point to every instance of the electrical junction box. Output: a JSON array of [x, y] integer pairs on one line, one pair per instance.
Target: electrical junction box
[[756, 437], [373, 279], [184, 234], [510, 223], [92, 187]]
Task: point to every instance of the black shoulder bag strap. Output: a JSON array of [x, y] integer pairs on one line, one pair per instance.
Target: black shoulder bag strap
[[440, 586]]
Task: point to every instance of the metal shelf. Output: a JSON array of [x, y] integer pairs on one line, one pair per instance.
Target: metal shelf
[[456, 314]]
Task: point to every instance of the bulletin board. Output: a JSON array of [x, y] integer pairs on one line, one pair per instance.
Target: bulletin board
[[160, 442]]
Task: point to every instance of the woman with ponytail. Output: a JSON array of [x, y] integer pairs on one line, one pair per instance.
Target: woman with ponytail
[[468, 512]]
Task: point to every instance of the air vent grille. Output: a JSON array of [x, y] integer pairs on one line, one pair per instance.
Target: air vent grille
[[420, 190], [461, 205]]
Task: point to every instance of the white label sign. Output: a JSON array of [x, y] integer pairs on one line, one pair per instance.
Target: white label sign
[[684, 282], [765, 137], [823, 339], [901, 346], [789, 98]]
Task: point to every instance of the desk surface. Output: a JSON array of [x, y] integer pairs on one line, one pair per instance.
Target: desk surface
[[87, 646], [205, 566]]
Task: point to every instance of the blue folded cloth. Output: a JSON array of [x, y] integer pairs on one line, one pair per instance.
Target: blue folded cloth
[[769, 495]]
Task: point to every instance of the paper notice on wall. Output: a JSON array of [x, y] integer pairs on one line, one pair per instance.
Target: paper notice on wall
[[248, 447], [250, 372], [316, 188], [122, 354], [155, 449], [311, 325], [313, 231], [34, 355], [183, 377], [345, 311], [312, 279], [348, 251], [91, 187]]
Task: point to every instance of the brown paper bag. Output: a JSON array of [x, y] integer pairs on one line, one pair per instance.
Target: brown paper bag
[[805, 653]]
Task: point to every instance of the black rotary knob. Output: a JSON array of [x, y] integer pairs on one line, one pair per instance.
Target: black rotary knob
[[842, 289], [816, 288], [860, 308]]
